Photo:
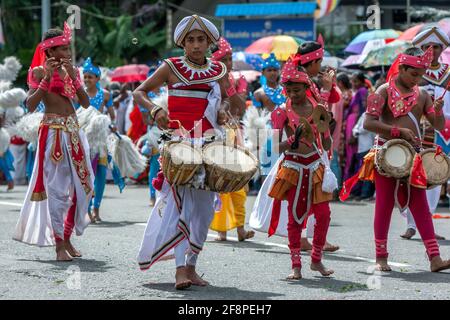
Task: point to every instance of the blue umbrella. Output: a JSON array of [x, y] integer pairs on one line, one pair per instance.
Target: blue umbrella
[[358, 43], [247, 61]]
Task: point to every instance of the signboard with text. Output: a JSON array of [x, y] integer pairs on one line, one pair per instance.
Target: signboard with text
[[241, 33]]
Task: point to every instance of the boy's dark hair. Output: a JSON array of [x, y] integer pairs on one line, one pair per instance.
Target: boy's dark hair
[[415, 52], [52, 33], [343, 77], [307, 47]]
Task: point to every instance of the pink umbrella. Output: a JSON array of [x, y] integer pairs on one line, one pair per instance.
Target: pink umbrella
[[410, 33], [130, 73], [445, 56], [444, 24]]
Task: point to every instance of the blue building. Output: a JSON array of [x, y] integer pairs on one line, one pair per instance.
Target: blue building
[[244, 23]]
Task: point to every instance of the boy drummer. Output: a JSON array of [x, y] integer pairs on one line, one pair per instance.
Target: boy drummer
[[196, 85], [393, 112]]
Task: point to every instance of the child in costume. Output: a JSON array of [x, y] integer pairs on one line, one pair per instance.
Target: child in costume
[[182, 215], [393, 112], [61, 186], [301, 172]]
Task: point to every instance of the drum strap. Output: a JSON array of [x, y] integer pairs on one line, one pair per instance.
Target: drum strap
[[397, 187], [416, 123]]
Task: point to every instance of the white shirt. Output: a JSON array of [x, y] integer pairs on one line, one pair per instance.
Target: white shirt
[[365, 138]]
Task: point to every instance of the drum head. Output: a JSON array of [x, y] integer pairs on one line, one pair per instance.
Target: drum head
[[229, 158], [436, 167], [184, 153], [395, 158]]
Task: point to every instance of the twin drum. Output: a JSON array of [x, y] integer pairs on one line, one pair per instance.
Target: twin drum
[[395, 159], [227, 168]]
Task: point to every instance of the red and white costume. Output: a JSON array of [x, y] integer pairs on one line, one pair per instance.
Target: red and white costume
[[391, 191], [62, 182], [298, 178], [182, 215], [437, 78]]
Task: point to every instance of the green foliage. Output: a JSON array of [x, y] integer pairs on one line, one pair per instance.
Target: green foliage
[[108, 42]]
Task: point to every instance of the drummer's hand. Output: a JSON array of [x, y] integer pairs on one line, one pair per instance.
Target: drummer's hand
[[222, 117], [162, 119], [438, 105], [408, 135]]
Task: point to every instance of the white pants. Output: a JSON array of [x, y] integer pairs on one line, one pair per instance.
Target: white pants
[[162, 235], [39, 221], [19, 153]]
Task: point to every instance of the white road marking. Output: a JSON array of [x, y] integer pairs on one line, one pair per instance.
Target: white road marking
[[13, 204]]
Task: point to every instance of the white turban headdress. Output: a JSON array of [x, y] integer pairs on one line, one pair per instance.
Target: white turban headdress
[[195, 22], [432, 35]]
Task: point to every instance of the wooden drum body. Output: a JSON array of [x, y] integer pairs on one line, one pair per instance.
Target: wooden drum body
[[228, 168]]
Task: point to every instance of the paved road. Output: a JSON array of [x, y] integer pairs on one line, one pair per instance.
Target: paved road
[[250, 270]]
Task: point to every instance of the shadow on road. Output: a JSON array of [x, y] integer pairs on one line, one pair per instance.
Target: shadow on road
[[418, 277], [211, 292], [113, 224], [85, 265], [440, 242], [329, 283]]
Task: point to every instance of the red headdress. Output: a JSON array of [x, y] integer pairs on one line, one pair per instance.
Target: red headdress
[[314, 55], [290, 72], [39, 54], [224, 49], [422, 62]]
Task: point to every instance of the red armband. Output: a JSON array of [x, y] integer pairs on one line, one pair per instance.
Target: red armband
[[395, 132], [375, 103], [290, 140], [77, 84], [325, 95], [231, 91]]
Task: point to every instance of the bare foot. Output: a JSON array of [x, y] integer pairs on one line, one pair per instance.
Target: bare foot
[[438, 237], [152, 202], [221, 236], [10, 186], [62, 254], [71, 249], [181, 279], [322, 269], [381, 264], [330, 247], [437, 264], [96, 215], [194, 277], [295, 275], [410, 232], [305, 245], [91, 217], [244, 235]]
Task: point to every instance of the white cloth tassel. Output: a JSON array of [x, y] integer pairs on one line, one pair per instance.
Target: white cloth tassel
[[97, 134], [126, 155], [329, 183], [28, 127], [4, 141]]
